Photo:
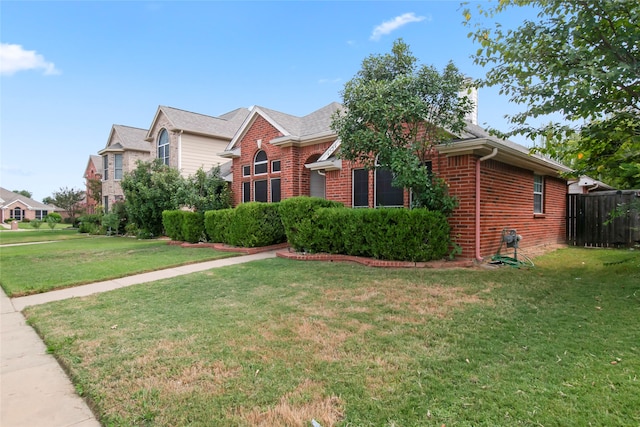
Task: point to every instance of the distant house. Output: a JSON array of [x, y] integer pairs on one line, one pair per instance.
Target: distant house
[[125, 146], [181, 139], [498, 184], [18, 207], [92, 172], [586, 185], [189, 141]]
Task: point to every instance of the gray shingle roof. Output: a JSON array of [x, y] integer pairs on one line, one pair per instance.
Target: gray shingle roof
[[132, 138], [224, 126], [313, 123], [9, 197]]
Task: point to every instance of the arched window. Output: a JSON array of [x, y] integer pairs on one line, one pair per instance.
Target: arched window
[[163, 146], [260, 163], [386, 194]]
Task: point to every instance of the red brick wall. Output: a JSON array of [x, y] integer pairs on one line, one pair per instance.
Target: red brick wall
[[506, 191], [506, 201]]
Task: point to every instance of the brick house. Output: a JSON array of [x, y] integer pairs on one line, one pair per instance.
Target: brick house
[[498, 183], [93, 171], [188, 141], [125, 146], [18, 207], [181, 139]]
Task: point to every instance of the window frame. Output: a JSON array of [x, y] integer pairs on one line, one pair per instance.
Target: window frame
[[257, 197], [379, 170], [246, 171], [246, 191], [366, 188], [163, 147], [273, 169], [258, 165], [538, 194], [275, 189], [117, 176], [105, 167]]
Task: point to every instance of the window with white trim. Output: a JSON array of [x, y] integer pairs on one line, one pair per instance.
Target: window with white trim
[[260, 191], [246, 170], [386, 194], [246, 192], [163, 146], [117, 166], [105, 167], [275, 166], [360, 188], [275, 190], [260, 163], [538, 194], [41, 214]]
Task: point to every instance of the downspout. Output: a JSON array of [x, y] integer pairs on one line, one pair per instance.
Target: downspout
[[180, 151], [480, 160]]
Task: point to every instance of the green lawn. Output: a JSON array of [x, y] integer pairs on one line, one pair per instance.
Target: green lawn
[[42, 267], [31, 235], [280, 343]]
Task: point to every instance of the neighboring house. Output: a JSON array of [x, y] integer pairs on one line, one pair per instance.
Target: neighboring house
[[93, 171], [18, 207], [586, 185], [498, 184], [125, 146], [189, 141]]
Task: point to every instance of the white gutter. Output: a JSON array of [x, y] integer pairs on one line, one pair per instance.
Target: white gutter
[[480, 160]]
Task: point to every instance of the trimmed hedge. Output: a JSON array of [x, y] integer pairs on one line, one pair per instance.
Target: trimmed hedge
[[216, 224], [297, 218], [255, 224], [183, 226], [389, 234], [172, 223]]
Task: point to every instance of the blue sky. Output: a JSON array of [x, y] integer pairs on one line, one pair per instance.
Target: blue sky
[[70, 70]]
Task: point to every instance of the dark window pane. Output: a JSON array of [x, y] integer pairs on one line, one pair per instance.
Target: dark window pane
[[246, 170], [260, 191], [360, 188], [386, 194], [275, 190], [246, 192], [275, 166]]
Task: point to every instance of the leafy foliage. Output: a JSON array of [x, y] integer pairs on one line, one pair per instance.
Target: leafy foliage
[[396, 112], [95, 189], [70, 200], [579, 60], [52, 219], [150, 189], [206, 191]]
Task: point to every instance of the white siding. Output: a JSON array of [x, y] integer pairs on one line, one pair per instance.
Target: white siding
[[199, 151]]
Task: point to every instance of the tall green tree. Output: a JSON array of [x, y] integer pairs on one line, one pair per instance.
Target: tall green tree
[[149, 189], [395, 112], [206, 191], [578, 60], [69, 199]]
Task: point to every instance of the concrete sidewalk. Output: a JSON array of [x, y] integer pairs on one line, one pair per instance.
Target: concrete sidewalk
[[34, 389]]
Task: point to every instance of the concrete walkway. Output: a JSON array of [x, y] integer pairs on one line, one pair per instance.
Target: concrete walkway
[[35, 391]]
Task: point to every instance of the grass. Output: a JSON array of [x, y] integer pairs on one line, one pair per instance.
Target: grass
[[42, 235], [280, 343], [43, 267]]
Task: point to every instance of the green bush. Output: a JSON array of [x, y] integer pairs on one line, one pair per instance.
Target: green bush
[[256, 224], [297, 213], [217, 223], [389, 234], [89, 223], [172, 223], [26, 220], [36, 223], [192, 226]]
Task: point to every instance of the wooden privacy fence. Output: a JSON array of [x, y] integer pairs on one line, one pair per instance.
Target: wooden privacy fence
[[589, 220]]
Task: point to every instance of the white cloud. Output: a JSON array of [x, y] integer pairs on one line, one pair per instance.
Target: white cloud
[[395, 23], [14, 58]]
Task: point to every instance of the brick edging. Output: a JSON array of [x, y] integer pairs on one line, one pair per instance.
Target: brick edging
[[371, 262], [226, 248]]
